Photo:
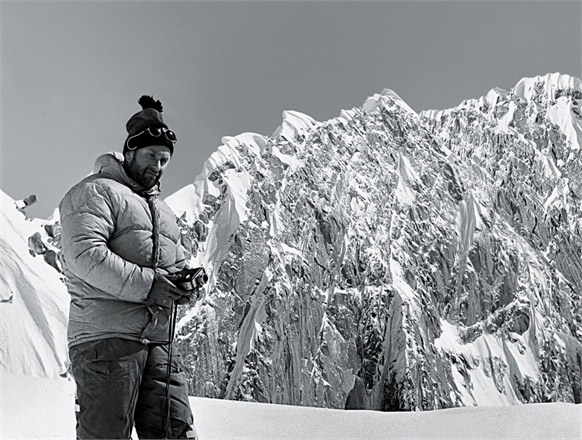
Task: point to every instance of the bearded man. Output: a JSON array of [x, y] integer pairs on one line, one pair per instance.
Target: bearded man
[[122, 249]]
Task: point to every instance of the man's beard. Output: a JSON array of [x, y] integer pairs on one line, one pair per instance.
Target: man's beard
[[143, 179]]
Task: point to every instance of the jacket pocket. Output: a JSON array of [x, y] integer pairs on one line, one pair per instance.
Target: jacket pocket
[[157, 328]]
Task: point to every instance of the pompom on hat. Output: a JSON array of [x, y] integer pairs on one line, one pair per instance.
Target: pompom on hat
[[138, 135]]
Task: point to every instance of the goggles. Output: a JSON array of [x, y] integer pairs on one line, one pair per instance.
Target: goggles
[[154, 132]]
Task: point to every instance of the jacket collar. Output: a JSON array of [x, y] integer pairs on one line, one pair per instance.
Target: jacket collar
[[110, 165]]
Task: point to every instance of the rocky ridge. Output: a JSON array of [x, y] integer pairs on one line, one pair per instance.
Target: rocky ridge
[[390, 260]]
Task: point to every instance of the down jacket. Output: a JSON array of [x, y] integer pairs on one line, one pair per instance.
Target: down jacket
[[107, 239]]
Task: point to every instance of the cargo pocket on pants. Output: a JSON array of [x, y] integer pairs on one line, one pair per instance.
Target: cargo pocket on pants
[[108, 374]]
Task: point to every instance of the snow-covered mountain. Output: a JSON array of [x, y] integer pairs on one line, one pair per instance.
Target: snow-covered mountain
[[391, 260]]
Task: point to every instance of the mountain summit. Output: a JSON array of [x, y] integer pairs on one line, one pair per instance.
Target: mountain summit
[[391, 260]]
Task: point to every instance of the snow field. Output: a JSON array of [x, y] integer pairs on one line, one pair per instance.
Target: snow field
[[35, 408]]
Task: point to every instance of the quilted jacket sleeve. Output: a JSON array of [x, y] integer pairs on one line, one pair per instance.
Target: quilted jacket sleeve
[[87, 220]]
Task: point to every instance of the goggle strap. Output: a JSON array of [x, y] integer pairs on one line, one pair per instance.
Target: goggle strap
[[149, 130]]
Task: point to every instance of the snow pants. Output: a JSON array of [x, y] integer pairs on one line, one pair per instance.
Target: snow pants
[[122, 383]]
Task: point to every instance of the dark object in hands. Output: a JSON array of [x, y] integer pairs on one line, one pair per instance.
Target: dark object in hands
[[190, 279]]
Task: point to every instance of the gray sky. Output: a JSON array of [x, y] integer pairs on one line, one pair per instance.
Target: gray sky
[[71, 72]]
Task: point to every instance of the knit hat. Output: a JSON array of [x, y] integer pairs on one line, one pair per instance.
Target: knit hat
[[149, 118]]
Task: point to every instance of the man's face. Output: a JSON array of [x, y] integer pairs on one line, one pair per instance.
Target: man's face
[[146, 165]]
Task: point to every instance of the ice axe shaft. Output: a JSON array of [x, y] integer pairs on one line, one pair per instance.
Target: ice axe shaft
[[167, 420]]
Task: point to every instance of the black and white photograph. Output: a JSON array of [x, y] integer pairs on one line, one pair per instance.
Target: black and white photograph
[[291, 219]]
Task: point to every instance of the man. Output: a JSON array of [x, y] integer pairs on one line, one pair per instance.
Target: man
[[122, 249]]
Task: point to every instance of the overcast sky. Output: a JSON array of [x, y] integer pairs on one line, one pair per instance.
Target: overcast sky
[[71, 72]]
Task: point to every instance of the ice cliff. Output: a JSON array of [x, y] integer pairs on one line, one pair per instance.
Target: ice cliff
[[391, 260]]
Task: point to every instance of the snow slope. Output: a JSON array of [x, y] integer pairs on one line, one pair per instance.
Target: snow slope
[[34, 302], [45, 410]]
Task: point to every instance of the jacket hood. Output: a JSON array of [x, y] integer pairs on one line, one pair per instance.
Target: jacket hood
[[110, 165]]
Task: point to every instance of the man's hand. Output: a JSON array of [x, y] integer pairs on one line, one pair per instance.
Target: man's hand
[[190, 280], [163, 292]]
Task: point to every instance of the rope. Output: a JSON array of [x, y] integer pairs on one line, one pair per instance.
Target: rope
[[151, 201]]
